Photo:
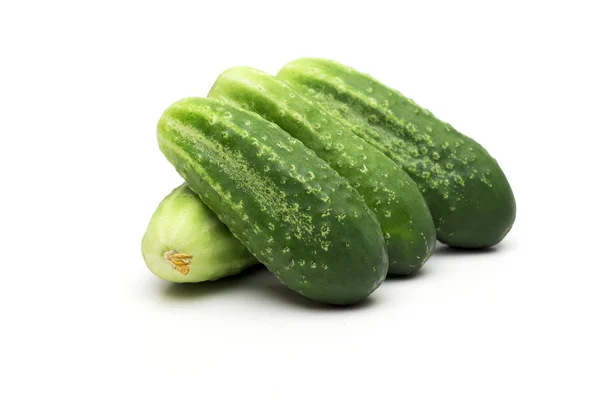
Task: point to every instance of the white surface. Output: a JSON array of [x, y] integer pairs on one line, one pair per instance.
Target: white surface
[[81, 89]]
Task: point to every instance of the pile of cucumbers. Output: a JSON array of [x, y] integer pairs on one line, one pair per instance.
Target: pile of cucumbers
[[326, 176]]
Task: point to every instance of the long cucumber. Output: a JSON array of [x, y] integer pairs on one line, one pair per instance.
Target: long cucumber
[[469, 197], [290, 209]]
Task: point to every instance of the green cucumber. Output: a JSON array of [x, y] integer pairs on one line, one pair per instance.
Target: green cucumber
[[389, 192], [294, 213], [186, 242], [467, 193]]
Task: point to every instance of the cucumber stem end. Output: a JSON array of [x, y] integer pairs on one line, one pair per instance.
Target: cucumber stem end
[[179, 261]]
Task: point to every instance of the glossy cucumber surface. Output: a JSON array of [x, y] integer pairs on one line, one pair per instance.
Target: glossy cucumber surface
[[290, 209], [469, 196]]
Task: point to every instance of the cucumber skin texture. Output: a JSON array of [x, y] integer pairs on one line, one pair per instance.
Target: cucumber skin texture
[[388, 191], [294, 213], [469, 196], [183, 223]]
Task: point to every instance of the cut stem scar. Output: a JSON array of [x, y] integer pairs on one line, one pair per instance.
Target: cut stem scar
[[179, 261]]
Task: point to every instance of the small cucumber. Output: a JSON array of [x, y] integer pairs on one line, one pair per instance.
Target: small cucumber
[[469, 197], [388, 191], [186, 242], [294, 213]]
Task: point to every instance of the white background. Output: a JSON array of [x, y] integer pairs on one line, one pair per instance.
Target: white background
[[82, 86]]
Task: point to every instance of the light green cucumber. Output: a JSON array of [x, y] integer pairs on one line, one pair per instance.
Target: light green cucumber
[[186, 242], [469, 197], [294, 213], [389, 192]]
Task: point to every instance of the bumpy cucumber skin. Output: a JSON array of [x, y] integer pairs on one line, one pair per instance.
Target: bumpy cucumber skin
[[184, 224], [469, 197], [388, 191], [294, 213]]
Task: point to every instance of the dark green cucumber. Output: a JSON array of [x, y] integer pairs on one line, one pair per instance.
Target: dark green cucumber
[[467, 193], [293, 212], [389, 192]]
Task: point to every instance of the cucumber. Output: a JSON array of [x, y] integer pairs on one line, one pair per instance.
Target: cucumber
[[388, 191], [186, 242], [294, 213], [467, 193]]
